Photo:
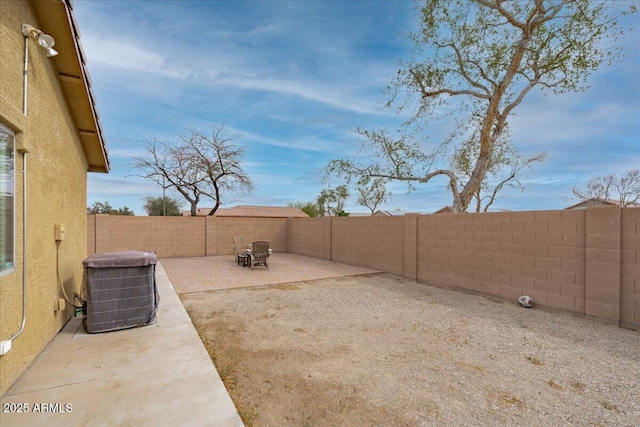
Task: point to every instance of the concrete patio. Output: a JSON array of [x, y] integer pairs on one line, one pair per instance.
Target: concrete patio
[[202, 274], [155, 375]]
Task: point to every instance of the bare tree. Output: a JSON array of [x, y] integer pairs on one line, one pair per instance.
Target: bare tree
[[478, 60], [166, 163], [197, 165], [624, 190], [220, 161], [628, 188]]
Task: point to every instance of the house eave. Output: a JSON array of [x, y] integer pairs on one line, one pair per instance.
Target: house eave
[[56, 19]]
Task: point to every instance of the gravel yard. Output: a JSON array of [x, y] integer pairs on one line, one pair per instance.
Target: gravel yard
[[378, 350]]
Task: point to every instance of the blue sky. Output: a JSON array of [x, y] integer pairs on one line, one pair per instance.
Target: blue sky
[[294, 79]]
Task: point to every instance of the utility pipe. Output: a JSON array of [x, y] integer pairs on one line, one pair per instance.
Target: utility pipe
[[24, 246], [24, 195], [24, 75]]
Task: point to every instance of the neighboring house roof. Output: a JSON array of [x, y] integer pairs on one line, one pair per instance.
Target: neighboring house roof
[[444, 209], [199, 212], [55, 17], [447, 209], [395, 212], [253, 211], [594, 201]]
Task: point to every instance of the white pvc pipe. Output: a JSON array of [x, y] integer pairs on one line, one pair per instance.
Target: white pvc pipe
[[24, 75], [24, 246], [24, 197]]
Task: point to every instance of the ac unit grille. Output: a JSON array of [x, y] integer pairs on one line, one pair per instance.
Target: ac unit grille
[[120, 297]]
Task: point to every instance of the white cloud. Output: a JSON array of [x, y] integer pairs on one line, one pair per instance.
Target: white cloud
[[295, 78], [309, 142], [127, 55], [126, 153], [101, 187], [237, 66], [312, 91], [545, 123]]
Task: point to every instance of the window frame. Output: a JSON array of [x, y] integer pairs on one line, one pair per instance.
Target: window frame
[[4, 271]]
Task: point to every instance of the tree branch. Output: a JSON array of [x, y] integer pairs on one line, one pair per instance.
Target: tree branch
[[463, 72], [497, 6], [430, 94]]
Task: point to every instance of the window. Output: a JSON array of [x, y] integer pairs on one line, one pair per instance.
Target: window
[[7, 200]]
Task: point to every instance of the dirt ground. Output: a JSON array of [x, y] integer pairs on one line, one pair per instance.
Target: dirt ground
[[380, 351]]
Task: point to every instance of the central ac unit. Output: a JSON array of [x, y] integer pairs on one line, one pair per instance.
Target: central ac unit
[[121, 290]]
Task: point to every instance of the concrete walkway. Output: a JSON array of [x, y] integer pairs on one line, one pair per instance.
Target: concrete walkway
[[158, 375]]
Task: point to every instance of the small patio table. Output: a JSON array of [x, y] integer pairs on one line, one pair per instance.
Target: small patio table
[[244, 259]]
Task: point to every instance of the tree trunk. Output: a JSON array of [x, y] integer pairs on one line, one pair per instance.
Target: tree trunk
[[216, 188], [215, 208], [475, 181], [492, 126]]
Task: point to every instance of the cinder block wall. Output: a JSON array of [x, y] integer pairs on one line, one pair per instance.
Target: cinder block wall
[[584, 261], [311, 237], [222, 229], [167, 236], [374, 242], [507, 254], [91, 234], [182, 236], [602, 282], [630, 268]]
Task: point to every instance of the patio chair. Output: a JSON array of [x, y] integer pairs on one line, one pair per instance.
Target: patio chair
[[260, 253], [239, 246]]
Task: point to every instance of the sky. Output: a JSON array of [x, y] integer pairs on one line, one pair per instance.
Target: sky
[[294, 79]]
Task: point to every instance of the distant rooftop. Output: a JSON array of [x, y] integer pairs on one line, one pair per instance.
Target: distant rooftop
[[447, 209], [394, 212], [594, 201], [253, 211]]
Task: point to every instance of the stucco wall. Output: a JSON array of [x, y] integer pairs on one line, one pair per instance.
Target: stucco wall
[[56, 194]]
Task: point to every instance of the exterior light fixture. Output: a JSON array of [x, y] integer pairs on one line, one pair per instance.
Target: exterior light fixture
[[44, 40]]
